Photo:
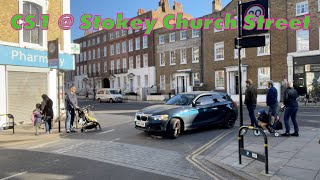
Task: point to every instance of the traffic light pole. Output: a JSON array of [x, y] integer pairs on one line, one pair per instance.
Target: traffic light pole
[[239, 62]]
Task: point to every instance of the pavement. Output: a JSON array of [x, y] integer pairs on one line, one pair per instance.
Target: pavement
[[290, 158]]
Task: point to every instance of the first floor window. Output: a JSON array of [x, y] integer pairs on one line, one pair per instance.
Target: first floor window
[[263, 77], [162, 59], [34, 36], [105, 51], [138, 63], [302, 40], [105, 67], [265, 50], [219, 51], [195, 33], [162, 82], [183, 58], [242, 51], [145, 60], [195, 54], [219, 79], [131, 62], [98, 53], [172, 57], [196, 79], [161, 39], [124, 64], [90, 69]]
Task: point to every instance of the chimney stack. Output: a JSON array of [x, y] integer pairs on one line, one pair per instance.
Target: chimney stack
[[216, 6], [87, 32], [177, 6], [141, 11], [164, 5]]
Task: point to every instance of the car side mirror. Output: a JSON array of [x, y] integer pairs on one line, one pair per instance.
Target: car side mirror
[[194, 104]]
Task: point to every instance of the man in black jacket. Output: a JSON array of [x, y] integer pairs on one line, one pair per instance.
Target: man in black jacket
[[251, 101], [290, 101]]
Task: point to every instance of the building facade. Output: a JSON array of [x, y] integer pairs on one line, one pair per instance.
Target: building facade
[[303, 60], [126, 56], [24, 71], [178, 61], [258, 64]]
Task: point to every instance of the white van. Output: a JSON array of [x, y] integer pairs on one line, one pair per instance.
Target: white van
[[108, 95]]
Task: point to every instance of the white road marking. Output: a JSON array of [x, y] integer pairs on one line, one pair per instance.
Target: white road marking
[[192, 158], [105, 132], [115, 140], [117, 124], [19, 174], [116, 111], [44, 144]]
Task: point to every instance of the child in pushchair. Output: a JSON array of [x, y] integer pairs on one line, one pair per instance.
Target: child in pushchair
[[265, 122], [86, 120]]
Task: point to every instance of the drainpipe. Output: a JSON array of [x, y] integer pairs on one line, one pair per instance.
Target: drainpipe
[[201, 57]]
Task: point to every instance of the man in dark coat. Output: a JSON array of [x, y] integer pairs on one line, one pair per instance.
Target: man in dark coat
[[272, 100], [291, 104], [47, 111], [251, 101]]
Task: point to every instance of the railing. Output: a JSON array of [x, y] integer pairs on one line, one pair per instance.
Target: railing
[[9, 124]]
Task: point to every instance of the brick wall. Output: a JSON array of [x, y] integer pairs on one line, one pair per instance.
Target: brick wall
[[10, 8], [277, 59], [314, 29]]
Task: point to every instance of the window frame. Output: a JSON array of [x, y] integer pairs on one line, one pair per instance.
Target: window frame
[[216, 83], [44, 10], [216, 46], [308, 34]]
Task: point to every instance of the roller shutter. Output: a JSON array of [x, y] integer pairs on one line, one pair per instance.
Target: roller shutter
[[24, 91]]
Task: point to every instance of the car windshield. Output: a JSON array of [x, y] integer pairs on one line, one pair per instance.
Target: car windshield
[[114, 92], [181, 99]]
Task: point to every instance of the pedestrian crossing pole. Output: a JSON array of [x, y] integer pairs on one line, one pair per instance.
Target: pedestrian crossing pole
[[58, 72], [239, 62]]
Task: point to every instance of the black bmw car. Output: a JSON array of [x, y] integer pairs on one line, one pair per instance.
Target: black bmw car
[[188, 111]]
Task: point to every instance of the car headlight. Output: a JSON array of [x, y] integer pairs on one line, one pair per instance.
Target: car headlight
[[160, 117]]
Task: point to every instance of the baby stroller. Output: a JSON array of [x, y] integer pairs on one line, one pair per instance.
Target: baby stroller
[[86, 120], [270, 125]]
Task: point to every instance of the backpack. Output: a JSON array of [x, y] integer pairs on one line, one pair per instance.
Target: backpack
[[33, 118]]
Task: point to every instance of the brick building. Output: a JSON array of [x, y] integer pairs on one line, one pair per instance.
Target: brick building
[[303, 59], [127, 56], [259, 64], [24, 71], [178, 61]]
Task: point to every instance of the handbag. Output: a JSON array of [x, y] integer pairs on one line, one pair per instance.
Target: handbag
[[277, 125]]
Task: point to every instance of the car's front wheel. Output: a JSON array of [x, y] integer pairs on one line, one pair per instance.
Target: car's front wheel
[[174, 129], [229, 120]]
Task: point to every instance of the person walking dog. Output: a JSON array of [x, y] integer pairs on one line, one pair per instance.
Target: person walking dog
[[272, 100]]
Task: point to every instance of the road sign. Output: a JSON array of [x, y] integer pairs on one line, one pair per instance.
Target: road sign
[[257, 8], [251, 41], [75, 48], [53, 53]]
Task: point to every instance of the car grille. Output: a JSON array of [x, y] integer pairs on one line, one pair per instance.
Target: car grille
[[143, 117]]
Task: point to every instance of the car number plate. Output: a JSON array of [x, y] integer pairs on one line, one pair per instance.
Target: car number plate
[[141, 123]]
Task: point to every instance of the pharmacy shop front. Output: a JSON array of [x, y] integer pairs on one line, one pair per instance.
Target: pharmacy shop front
[[24, 77]]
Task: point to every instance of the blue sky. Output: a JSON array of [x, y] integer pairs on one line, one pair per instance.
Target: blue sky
[[109, 9]]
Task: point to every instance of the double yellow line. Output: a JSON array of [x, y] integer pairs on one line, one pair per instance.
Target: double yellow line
[[193, 160]]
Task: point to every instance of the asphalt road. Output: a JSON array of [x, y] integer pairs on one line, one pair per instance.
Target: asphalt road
[[119, 151]]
